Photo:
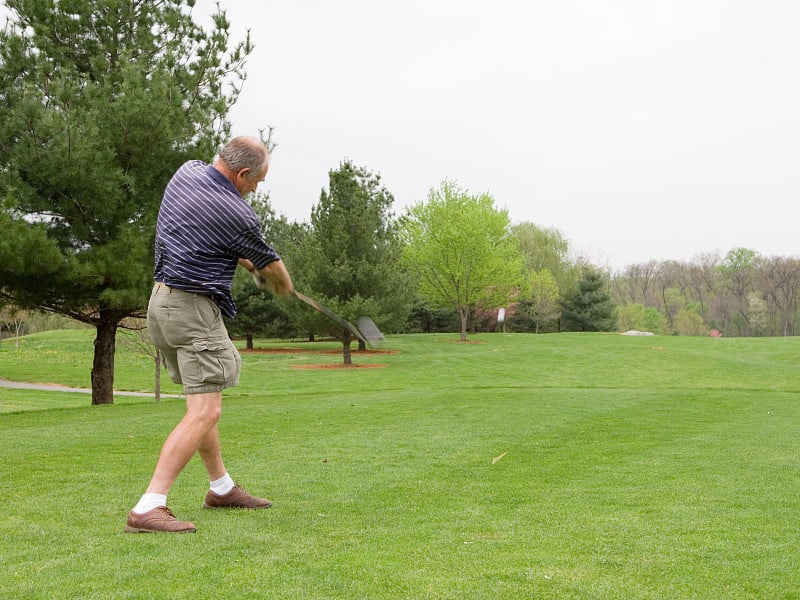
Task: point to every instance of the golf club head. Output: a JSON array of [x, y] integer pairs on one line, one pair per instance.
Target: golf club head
[[370, 331]]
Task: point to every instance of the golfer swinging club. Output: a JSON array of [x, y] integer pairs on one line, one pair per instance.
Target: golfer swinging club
[[204, 230]]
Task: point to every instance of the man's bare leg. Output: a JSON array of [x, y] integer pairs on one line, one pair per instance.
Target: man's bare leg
[[211, 455], [197, 431]]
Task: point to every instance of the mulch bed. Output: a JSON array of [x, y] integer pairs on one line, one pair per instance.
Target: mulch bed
[[354, 353]]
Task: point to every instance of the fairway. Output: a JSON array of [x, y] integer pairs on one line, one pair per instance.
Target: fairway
[[515, 466]]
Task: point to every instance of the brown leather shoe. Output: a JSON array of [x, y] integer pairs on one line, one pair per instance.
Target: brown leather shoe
[[158, 520], [236, 498]]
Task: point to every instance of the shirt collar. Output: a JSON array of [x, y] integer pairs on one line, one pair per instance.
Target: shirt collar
[[212, 172]]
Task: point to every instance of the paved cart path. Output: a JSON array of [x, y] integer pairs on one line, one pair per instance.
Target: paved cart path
[[51, 387]]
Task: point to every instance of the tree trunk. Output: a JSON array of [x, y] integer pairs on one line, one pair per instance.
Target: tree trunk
[[18, 327], [249, 343], [464, 314], [103, 366], [348, 361]]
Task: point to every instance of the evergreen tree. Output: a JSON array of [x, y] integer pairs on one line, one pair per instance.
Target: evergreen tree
[[258, 313], [350, 259], [100, 102], [589, 307]]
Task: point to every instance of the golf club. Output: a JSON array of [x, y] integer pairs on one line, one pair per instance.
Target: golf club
[[367, 332], [331, 315]]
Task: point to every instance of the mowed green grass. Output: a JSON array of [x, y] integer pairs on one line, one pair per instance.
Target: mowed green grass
[[663, 467]]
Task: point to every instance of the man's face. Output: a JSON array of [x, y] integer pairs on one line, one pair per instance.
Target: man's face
[[246, 184]]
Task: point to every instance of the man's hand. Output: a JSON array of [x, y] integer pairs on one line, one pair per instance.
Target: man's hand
[[273, 278], [262, 282]]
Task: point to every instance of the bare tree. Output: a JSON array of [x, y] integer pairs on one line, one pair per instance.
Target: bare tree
[[702, 285], [779, 280], [13, 317], [641, 278], [665, 282], [137, 339]]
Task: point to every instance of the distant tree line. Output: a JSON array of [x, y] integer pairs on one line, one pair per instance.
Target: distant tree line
[[739, 294]]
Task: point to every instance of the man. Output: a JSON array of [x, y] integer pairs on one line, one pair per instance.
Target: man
[[204, 229]]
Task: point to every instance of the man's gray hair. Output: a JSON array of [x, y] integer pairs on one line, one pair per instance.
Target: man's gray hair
[[245, 153]]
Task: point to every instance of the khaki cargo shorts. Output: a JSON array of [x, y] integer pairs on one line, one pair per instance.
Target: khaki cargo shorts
[[188, 330]]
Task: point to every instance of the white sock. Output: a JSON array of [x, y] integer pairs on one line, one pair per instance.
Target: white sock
[[150, 501], [223, 485]]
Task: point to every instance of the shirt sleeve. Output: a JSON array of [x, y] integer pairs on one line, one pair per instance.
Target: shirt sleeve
[[250, 244]]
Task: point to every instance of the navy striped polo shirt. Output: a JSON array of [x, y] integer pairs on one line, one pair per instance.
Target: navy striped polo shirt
[[204, 226]]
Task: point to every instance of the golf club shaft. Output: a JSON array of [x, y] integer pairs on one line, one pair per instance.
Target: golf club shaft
[[331, 315]]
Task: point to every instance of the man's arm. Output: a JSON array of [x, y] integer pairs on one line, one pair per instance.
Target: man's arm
[[274, 277]]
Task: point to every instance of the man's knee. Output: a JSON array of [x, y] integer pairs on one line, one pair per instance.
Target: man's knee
[[204, 408]]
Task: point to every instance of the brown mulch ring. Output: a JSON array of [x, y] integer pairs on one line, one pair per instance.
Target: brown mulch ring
[[355, 354], [306, 351], [339, 366]]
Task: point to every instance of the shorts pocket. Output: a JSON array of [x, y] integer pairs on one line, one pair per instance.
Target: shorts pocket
[[208, 312], [217, 360]]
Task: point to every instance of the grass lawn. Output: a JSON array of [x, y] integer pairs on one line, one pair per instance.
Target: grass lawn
[[518, 466]]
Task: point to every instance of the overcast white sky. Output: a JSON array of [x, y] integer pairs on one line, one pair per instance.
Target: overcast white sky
[[640, 129]]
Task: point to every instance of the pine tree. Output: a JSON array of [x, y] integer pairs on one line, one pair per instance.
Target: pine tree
[[349, 260], [100, 102], [589, 307]]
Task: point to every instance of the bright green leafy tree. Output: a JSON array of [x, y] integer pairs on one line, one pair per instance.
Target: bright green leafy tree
[[689, 322], [635, 317], [544, 248], [100, 102], [459, 247]]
